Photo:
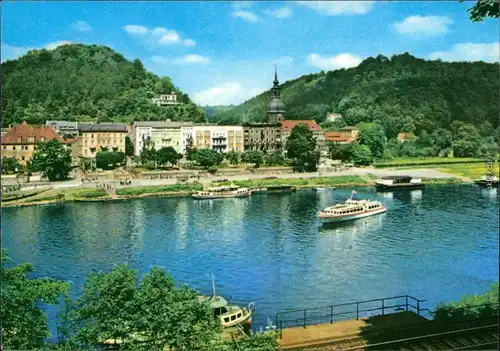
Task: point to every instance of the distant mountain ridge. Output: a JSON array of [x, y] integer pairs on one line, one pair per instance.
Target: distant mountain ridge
[[86, 82], [402, 93]]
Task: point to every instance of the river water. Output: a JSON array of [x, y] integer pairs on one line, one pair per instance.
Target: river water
[[436, 244]]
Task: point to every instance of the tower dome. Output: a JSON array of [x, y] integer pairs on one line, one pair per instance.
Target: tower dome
[[276, 107]]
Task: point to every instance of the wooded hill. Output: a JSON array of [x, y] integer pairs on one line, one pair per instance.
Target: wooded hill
[[403, 93], [86, 82]]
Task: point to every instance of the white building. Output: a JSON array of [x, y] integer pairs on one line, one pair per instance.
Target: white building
[[166, 99], [331, 117], [186, 134], [220, 138], [140, 132]]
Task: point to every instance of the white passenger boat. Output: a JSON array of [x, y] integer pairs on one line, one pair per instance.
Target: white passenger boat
[[399, 182], [223, 192], [351, 209]]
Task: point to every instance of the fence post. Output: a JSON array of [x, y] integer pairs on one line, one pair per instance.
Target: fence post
[[406, 303], [357, 310], [281, 329], [305, 318], [276, 320], [331, 314], [383, 307], [418, 307]]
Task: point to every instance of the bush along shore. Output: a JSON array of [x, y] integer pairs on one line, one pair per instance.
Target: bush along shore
[[92, 195]]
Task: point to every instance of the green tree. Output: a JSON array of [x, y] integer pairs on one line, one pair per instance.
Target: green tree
[[274, 159], [483, 9], [466, 142], [341, 152], [148, 152], [361, 155], [52, 160], [167, 155], [24, 324], [129, 147], [190, 149], [207, 158], [373, 136], [106, 310], [301, 149], [10, 165], [233, 157], [109, 159], [255, 157]]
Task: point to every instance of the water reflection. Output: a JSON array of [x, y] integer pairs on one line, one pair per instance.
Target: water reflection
[[489, 193], [355, 227]]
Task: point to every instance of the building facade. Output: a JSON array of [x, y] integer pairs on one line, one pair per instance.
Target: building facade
[[94, 138], [166, 99], [345, 135], [20, 141], [219, 138], [266, 136], [64, 128], [187, 136], [161, 133]]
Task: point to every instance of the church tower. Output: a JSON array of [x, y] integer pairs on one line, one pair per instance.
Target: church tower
[[276, 110]]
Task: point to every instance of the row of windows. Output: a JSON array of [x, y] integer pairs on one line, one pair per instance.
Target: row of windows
[[22, 147]]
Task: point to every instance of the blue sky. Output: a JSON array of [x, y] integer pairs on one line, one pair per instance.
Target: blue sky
[[223, 52]]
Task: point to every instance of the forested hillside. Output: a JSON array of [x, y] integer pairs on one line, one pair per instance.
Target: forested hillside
[[85, 82], [403, 93], [211, 111]]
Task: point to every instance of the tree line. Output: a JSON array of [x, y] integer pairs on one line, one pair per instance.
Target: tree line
[[86, 83]]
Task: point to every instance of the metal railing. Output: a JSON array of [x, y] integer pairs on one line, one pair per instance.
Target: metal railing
[[338, 312]]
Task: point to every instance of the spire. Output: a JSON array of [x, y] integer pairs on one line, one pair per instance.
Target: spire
[[276, 83]]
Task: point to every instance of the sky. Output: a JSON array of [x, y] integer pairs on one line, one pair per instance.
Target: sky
[[224, 52]]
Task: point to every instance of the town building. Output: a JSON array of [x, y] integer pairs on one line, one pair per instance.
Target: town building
[[94, 138], [166, 99], [161, 133], [20, 141], [64, 128], [187, 137], [332, 117], [402, 137], [4, 131], [219, 138], [266, 136], [318, 133], [344, 135]]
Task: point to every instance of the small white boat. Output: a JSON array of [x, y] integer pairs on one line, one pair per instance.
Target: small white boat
[[351, 209], [398, 182], [223, 192], [324, 189]]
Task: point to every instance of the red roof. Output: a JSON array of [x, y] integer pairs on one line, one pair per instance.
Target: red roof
[[287, 125], [338, 136], [19, 134], [70, 141]]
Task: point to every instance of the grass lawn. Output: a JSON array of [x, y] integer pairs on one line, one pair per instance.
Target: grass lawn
[[406, 161], [304, 182], [139, 190], [67, 194], [472, 171]]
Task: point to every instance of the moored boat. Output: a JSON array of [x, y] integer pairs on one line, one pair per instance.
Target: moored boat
[[399, 182], [223, 192], [351, 209], [487, 181], [324, 188], [229, 315]]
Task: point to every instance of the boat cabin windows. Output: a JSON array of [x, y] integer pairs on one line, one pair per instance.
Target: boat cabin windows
[[220, 311]]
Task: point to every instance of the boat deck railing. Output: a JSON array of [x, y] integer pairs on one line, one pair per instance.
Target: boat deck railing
[[345, 311]]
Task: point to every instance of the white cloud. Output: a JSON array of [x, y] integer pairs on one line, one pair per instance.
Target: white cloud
[[11, 52], [184, 60], [56, 44], [335, 8], [283, 12], [135, 29], [81, 26], [225, 94], [238, 5], [423, 25], [169, 37], [189, 42], [246, 15], [191, 59], [469, 52], [334, 62], [283, 60]]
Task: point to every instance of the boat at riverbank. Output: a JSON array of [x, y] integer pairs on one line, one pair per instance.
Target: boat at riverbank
[[320, 189], [399, 182], [351, 209], [488, 181], [222, 192], [229, 315]]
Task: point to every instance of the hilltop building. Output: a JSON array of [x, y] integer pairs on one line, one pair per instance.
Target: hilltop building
[[20, 141], [266, 136], [166, 99]]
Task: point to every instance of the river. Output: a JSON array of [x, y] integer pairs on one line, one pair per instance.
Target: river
[[436, 244]]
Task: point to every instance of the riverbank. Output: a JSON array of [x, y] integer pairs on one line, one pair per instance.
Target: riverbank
[[53, 196]]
